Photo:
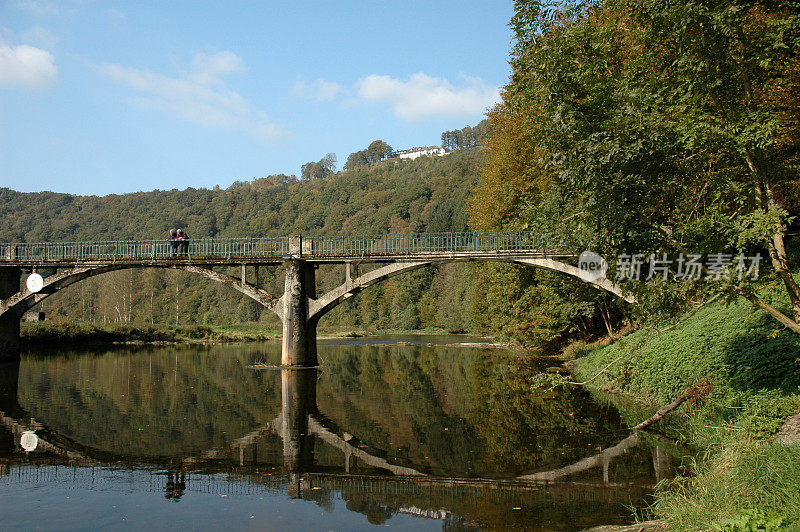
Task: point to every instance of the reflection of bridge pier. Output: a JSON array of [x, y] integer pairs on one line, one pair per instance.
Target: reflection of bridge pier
[[300, 425], [318, 477], [9, 406], [298, 401], [9, 321], [9, 382]]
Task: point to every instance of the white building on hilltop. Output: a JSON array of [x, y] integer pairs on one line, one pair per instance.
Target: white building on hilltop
[[413, 153]]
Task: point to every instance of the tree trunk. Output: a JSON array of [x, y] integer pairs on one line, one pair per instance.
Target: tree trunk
[[777, 247], [772, 311]]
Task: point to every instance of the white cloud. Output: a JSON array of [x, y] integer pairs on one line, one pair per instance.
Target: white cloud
[[40, 36], [116, 15], [39, 8], [209, 68], [320, 89], [422, 96], [199, 96], [26, 66]]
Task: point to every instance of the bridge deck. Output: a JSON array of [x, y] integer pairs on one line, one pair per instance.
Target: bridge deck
[[503, 245]]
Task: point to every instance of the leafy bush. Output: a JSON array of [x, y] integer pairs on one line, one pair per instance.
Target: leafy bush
[[751, 521]]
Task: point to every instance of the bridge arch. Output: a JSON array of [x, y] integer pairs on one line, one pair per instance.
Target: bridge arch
[[24, 300], [319, 307], [299, 308]]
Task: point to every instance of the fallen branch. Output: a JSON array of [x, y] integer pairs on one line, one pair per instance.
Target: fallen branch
[[772, 311], [698, 389], [600, 373], [632, 351]]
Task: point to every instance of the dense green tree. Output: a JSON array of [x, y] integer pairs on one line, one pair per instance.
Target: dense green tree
[[377, 151], [636, 126], [320, 169], [356, 159], [467, 137]]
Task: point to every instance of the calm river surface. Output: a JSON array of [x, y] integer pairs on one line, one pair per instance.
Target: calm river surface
[[409, 433]]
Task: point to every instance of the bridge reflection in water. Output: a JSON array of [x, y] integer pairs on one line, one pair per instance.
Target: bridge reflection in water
[[381, 486]]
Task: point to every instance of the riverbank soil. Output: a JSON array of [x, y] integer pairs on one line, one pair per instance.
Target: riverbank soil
[[747, 474]]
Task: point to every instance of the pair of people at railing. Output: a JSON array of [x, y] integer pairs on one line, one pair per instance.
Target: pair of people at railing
[[178, 242]]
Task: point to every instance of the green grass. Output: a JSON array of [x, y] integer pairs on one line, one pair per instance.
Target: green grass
[[64, 332], [741, 480]]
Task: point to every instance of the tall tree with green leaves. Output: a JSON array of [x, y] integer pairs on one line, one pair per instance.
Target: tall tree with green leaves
[[638, 126]]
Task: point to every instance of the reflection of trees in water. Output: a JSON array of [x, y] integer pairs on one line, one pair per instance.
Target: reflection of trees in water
[[455, 410], [529, 428], [483, 503], [150, 402], [376, 513], [456, 502], [461, 410], [382, 395]]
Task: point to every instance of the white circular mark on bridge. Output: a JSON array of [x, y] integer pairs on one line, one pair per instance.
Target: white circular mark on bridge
[[34, 282], [29, 440], [592, 266]]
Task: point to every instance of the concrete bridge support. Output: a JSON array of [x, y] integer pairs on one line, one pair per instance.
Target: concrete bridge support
[[9, 321], [299, 346]]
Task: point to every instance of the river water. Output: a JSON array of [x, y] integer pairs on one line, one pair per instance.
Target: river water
[[410, 433]]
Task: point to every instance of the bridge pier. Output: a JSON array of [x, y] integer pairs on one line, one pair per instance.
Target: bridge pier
[[9, 321], [299, 347]]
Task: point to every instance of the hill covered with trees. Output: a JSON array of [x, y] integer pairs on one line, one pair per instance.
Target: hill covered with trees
[[427, 194]]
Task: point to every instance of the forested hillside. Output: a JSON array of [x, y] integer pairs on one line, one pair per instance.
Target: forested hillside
[[427, 194]]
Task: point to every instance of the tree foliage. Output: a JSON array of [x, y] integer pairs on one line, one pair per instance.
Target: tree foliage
[[376, 152], [320, 169], [467, 137], [638, 126]]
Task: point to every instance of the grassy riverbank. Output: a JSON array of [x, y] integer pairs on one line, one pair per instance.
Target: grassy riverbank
[[741, 475], [72, 333], [63, 332]]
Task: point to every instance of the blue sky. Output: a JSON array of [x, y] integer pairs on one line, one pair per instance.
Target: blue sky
[[100, 97]]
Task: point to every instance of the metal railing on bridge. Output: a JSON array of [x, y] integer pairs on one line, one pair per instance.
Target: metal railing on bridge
[[418, 243], [280, 247], [145, 249]]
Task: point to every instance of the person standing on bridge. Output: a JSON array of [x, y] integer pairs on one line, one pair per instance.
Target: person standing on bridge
[[183, 240], [173, 241]]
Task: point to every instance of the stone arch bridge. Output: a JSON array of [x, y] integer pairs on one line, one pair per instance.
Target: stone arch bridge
[[299, 307]]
